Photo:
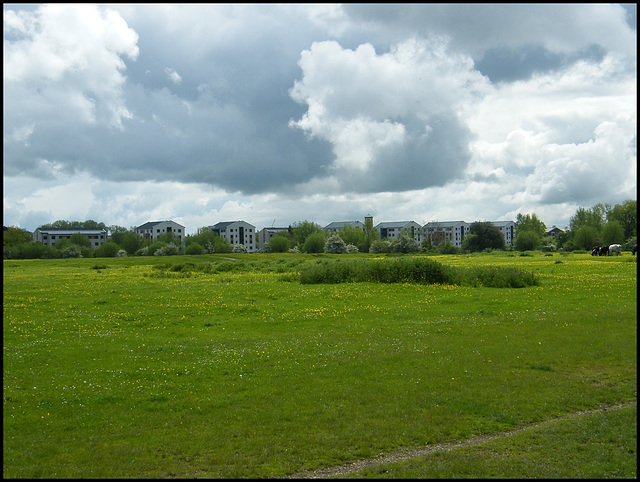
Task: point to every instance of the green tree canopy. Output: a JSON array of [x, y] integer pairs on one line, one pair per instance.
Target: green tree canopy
[[483, 235], [14, 235], [314, 243], [280, 242], [302, 230], [530, 223], [627, 215], [612, 232]]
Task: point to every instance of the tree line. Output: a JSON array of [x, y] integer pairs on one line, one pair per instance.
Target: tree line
[[602, 224]]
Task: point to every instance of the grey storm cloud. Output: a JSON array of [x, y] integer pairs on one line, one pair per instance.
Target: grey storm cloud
[[321, 99]]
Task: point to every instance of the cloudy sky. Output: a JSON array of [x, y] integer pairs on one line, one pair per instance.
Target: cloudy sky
[[276, 114]]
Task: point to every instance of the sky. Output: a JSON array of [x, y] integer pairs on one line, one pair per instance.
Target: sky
[[276, 114]]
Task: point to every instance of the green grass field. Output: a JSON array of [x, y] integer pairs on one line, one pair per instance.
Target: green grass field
[[228, 366]]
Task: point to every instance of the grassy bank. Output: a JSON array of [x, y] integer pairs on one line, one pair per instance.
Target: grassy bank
[[228, 366]]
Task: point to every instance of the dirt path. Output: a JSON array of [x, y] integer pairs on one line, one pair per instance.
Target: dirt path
[[401, 455]]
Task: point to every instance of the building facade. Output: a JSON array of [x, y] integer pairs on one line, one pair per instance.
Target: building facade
[[50, 237], [456, 231], [393, 229], [153, 229], [441, 232], [237, 232]]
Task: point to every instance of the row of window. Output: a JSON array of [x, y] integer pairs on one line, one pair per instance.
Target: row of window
[[53, 236]]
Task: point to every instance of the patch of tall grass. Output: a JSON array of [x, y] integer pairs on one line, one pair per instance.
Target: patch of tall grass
[[415, 270]]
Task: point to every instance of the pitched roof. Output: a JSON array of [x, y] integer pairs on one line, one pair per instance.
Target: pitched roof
[[73, 231], [341, 224], [394, 224]]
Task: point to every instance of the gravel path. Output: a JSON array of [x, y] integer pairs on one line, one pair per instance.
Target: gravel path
[[401, 455]]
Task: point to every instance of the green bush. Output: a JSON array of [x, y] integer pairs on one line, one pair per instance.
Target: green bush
[[194, 248], [314, 243], [335, 245], [107, 250], [414, 270]]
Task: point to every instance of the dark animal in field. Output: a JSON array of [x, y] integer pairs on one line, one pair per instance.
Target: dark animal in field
[[604, 251], [615, 248], [595, 251], [634, 249]]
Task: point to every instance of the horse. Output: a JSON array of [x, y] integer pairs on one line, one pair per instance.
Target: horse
[[595, 251], [615, 248], [634, 249], [604, 251]]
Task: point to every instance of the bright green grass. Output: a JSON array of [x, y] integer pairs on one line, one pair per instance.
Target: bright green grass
[[594, 446], [221, 368]]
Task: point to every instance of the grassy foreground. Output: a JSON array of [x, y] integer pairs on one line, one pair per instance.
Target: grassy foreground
[[228, 366]]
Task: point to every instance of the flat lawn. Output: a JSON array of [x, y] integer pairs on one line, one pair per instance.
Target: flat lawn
[[226, 366]]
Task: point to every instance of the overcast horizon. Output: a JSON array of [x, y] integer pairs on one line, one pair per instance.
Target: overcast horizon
[[279, 113]]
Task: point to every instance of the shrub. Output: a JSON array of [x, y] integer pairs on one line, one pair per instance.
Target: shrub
[[414, 270], [447, 248], [314, 243], [240, 248], [352, 248], [278, 244], [72, 251], [121, 254], [404, 244], [335, 245], [527, 241], [194, 248], [168, 249], [380, 246], [107, 250]]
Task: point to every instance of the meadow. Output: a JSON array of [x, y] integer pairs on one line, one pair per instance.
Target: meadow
[[228, 366]]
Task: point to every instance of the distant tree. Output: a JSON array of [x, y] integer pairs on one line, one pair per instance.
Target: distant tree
[[14, 235], [627, 215], [371, 235], [354, 235], [129, 241], [302, 230], [194, 248], [530, 223], [612, 232], [483, 235], [447, 248], [279, 243], [585, 237], [314, 243], [169, 238], [117, 233], [593, 218], [107, 250], [80, 240], [527, 240], [210, 241]]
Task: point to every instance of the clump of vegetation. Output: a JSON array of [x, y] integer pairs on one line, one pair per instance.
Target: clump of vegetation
[[415, 270]]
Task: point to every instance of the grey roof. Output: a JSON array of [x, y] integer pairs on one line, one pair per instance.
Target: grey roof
[[224, 224], [443, 224], [148, 225], [73, 231], [395, 224], [151, 224], [342, 224]]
